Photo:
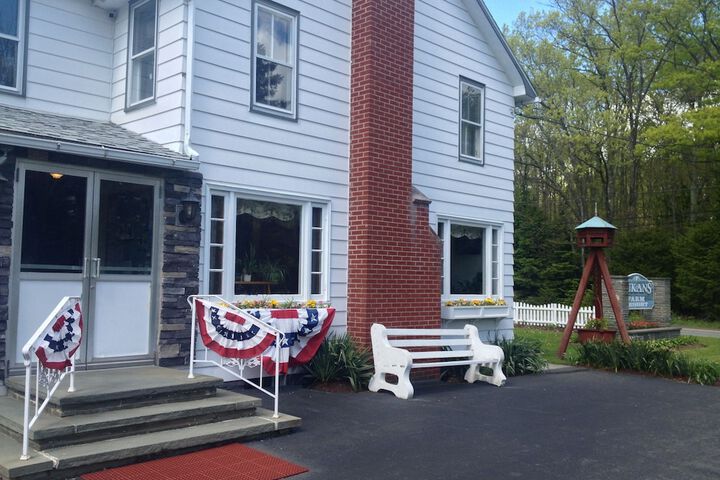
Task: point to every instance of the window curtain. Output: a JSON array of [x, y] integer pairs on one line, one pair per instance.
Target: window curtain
[[262, 210]]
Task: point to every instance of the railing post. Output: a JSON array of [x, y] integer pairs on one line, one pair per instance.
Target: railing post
[[26, 413], [278, 342], [72, 374], [191, 372]]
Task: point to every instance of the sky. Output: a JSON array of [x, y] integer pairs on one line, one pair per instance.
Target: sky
[[506, 11]]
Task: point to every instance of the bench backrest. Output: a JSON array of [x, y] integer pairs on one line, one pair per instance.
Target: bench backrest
[[461, 340]]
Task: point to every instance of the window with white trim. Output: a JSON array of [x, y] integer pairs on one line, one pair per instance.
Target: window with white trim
[[142, 53], [274, 53], [471, 259], [266, 247], [12, 45], [472, 121]]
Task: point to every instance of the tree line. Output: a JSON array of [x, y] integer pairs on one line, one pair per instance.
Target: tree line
[[628, 125]]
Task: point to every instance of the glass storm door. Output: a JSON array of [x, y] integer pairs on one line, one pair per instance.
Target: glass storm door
[[90, 234]]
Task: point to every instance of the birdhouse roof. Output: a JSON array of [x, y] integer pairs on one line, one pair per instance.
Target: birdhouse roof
[[595, 222]]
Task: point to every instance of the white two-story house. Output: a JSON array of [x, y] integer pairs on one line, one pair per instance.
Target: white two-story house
[[348, 151]]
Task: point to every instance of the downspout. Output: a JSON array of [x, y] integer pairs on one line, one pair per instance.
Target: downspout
[[189, 57]]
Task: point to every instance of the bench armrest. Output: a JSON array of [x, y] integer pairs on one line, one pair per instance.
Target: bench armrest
[[384, 354]]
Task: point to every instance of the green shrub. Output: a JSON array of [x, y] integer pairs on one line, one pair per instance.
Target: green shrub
[[338, 360], [657, 357], [522, 356]]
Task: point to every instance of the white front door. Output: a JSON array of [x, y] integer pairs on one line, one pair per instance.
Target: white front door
[[92, 234]]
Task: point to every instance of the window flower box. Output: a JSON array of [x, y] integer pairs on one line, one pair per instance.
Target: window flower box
[[473, 309]]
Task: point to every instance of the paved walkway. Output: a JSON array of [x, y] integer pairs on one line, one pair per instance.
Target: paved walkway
[[698, 332], [568, 424]]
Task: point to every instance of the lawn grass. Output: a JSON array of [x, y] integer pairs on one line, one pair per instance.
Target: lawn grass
[[548, 338], [706, 349], [689, 322]]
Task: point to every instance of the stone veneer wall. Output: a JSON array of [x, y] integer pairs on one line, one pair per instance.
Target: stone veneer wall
[[7, 189], [179, 269], [661, 313]]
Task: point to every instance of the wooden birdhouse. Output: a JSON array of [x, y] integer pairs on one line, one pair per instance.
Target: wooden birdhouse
[[596, 233]]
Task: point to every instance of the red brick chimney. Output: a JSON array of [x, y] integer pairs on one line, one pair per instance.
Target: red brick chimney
[[394, 257]]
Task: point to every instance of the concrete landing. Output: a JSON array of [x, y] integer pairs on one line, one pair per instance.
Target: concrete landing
[[103, 390], [52, 431]]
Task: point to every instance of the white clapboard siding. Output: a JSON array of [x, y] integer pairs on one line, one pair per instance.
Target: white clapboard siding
[[549, 315], [156, 120], [69, 60], [246, 149], [448, 45]]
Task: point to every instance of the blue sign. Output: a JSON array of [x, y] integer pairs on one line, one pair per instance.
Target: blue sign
[[641, 292]]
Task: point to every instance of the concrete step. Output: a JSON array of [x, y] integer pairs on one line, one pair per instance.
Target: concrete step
[[51, 431], [118, 388], [71, 461]]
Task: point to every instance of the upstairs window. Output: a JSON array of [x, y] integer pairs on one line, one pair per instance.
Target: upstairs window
[[12, 45], [142, 48], [274, 60], [472, 121]]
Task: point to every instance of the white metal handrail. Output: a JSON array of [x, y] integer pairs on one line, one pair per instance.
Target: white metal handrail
[[52, 379], [240, 364]]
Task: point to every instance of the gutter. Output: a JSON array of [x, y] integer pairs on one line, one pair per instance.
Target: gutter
[[98, 151], [189, 57]]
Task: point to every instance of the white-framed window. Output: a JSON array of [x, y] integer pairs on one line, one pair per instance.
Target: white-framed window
[[472, 121], [266, 247], [274, 59], [142, 53], [471, 259], [13, 15]]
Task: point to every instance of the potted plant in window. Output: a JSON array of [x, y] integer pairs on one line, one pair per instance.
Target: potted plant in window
[[248, 264], [462, 309], [272, 271], [596, 330]]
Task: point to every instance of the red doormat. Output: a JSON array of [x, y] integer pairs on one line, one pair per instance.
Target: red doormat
[[230, 462]]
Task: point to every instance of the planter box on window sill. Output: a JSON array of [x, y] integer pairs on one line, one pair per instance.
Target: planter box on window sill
[[469, 313]]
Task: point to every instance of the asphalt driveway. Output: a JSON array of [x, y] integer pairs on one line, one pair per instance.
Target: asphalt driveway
[[568, 424]]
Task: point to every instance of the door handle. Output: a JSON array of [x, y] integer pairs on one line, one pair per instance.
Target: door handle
[[85, 269], [96, 267]]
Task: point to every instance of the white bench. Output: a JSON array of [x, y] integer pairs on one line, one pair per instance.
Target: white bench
[[391, 356]]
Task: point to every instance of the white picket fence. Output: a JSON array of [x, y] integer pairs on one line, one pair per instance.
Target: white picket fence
[[550, 315]]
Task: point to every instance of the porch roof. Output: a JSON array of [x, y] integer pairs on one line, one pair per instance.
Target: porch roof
[[91, 138]]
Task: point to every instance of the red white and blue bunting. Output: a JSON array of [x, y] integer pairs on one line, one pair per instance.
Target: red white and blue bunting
[[226, 332], [304, 330], [229, 334], [56, 347]]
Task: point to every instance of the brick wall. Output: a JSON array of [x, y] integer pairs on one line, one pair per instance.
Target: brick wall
[[394, 257], [661, 313]]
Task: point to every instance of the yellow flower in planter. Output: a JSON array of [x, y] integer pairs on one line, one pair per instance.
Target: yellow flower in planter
[[311, 304], [274, 303], [476, 302]]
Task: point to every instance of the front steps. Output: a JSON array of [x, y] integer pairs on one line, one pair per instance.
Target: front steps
[[127, 415]]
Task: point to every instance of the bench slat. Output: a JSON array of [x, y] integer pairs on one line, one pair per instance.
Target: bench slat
[[425, 332], [442, 354], [430, 342], [442, 364]]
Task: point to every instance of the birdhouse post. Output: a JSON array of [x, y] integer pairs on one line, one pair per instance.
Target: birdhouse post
[[596, 234]]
